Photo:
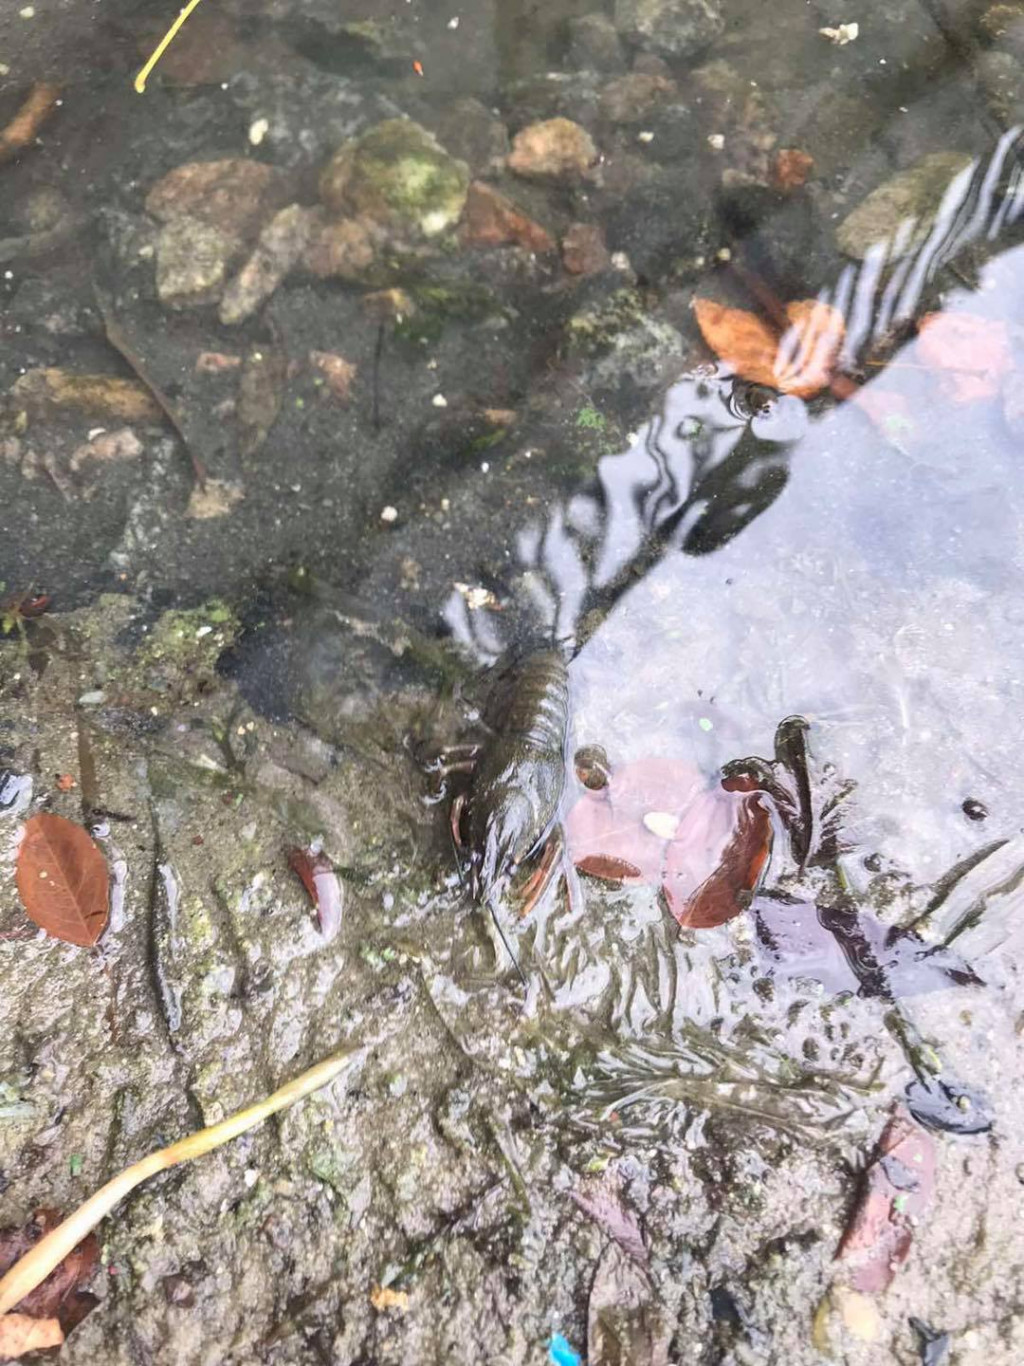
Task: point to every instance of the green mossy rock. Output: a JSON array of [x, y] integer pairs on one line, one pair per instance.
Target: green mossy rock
[[399, 176]]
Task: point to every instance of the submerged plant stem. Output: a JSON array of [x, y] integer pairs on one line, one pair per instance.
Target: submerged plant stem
[[49, 1252]]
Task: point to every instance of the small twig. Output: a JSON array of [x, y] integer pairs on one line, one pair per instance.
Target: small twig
[[22, 129], [32, 1269]]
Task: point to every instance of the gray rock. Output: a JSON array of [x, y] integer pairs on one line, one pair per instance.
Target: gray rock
[[281, 244], [594, 44], [1002, 79], [192, 261], [676, 28], [914, 194]]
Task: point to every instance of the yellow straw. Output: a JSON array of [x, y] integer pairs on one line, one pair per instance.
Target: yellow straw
[[164, 44], [51, 1250]]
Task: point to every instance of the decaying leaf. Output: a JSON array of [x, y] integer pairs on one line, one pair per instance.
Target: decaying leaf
[[317, 875], [21, 1334], [60, 1298], [895, 1192], [975, 352], [260, 395], [800, 362], [728, 889], [63, 880]]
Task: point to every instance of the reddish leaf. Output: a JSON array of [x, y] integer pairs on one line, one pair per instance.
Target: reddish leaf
[[61, 1295], [895, 1192], [729, 888], [974, 351], [800, 362], [62, 880], [317, 875], [21, 1334]]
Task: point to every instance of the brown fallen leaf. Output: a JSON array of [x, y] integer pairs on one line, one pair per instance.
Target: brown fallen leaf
[[261, 389], [800, 362], [21, 1334], [23, 128], [60, 1296], [62, 880], [974, 352]]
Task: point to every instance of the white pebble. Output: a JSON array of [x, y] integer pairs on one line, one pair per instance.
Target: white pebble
[[716, 140], [389, 514], [439, 401], [661, 823], [258, 130], [645, 136]]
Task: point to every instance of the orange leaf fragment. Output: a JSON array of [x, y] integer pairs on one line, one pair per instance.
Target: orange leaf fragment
[[21, 1334], [63, 881], [790, 168], [800, 362], [65, 782], [974, 350]]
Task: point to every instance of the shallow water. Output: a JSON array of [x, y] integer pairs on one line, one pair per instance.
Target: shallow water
[[519, 450]]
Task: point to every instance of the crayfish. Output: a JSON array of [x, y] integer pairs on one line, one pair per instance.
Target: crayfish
[[508, 813]]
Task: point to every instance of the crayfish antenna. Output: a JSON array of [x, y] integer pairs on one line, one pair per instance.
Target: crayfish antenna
[[504, 939]]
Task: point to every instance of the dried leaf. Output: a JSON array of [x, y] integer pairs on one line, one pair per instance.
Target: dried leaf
[[317, 875], [800, 362], [975, 351], [260, 395], [60, 1296], [895, 1192], [62, 880], [21, 1334]]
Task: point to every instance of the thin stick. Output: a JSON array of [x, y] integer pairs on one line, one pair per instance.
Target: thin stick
[[162, 46], [50, 1251]]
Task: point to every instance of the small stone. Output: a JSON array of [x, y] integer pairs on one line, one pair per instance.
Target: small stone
[[338, 373], [662, 824], [675, 28], [472, 133], [439, 401], [858, 1312], [258, 130], [107, 447], [344, 249], [841, 34], [399, 176], [716, 141], [584, 251], [1004, 24], [233, 195], [389, 515], [491, 220], [556, 149], [191, 263], [628, 99], [281, 244], [215, 498], [594, 44], [915, 193]]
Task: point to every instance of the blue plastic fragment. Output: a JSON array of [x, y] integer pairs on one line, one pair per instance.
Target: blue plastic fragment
[[561, 1353]]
